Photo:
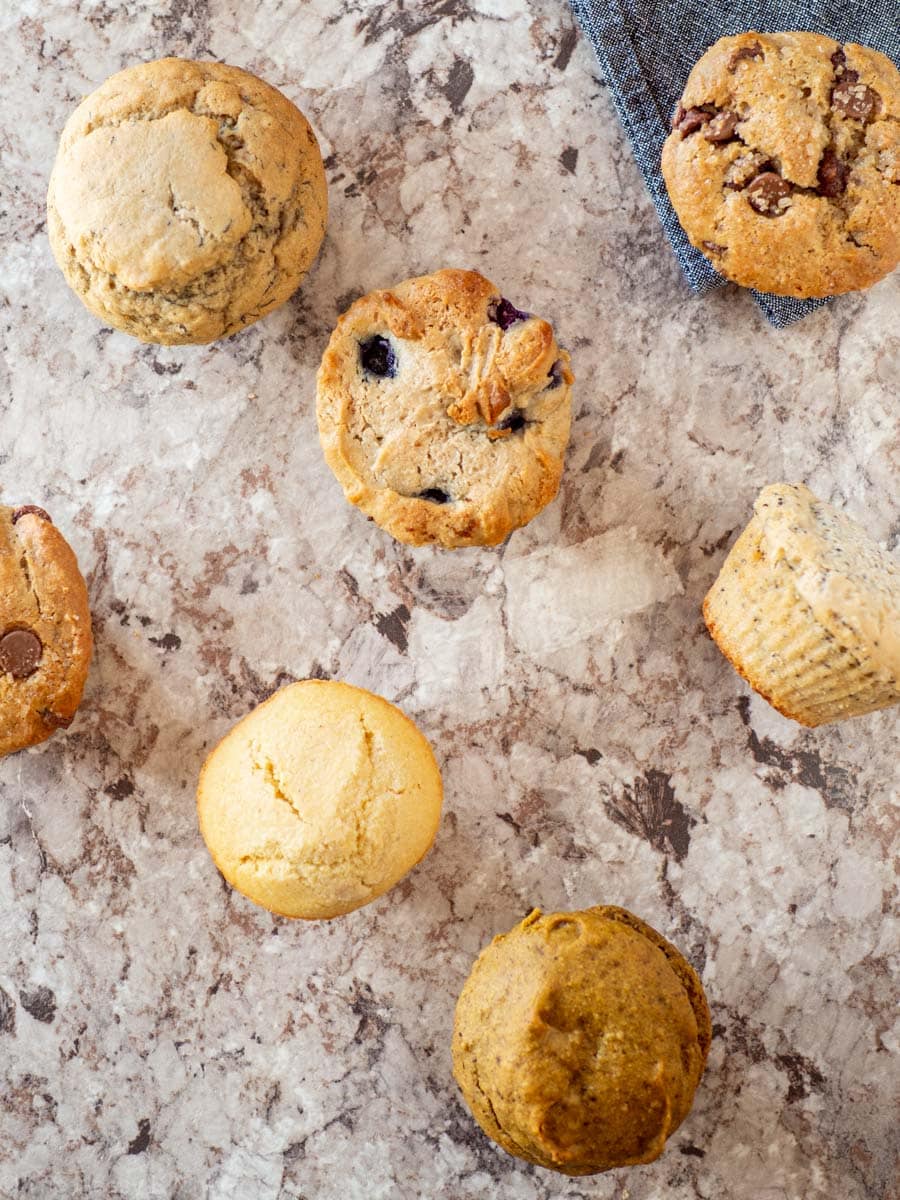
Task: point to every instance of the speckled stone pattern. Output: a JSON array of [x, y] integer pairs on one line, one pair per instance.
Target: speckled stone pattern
[[163, 1039]]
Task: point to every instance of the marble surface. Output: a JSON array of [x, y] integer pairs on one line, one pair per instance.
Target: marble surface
[[162, 1038]]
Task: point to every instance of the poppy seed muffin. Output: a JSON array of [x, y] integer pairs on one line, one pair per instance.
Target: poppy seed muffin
[[783, 163], [807, 609], [319, 800], [579, 1040], [444, 410], [188, 199]]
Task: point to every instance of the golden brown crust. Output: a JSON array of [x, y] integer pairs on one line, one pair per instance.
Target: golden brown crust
[[43, 597], [188, 199], [784, 163], [473, 412], [806, 608], [579, 1040]]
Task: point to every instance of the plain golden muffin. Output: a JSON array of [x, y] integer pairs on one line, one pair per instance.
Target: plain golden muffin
[[319, 800], [444, 410], [45, 629], [807, 608], [579, 1040], [188, 199], [783, 163]]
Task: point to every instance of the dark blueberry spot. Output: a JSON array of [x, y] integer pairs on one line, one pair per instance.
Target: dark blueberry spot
[[505, 314], [514, 422], [434, 496], [378, 358], [556, 374]]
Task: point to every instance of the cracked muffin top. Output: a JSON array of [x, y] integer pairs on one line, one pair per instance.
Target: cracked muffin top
[[579, 1040], [319, 800], [783, 163], [444, 410], [45, 629], [187, 200]]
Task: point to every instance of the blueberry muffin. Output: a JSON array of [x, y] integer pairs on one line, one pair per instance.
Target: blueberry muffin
[[783, 163], [319, 800], [444, 410], [579, 1040], [807, 609], [188, 200], [45, 629]]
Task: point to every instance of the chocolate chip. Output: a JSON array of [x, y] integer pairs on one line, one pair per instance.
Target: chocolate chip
[[838, 59], [20, 653], [768, 194], [504, 314], [754, 50], [54, 721], [853, 99], [832, 175], [378, 358], [556, 375], [514, 422], [689, 120], [31, 508], [434, 496], [721, 127], [715, 248]]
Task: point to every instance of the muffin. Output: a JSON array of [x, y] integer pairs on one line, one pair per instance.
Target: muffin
[[784, 160], [807, 609], [45, 629], [444, 410], [188, 199], [579, 1040], [319, 800]]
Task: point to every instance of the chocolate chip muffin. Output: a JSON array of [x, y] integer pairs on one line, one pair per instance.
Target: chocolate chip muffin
[[579, 1040], [444, 410], [807, 609], [45, 629], [188, 200], [783, 163]]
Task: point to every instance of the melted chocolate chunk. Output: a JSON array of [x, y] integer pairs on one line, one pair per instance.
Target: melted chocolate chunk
[[31, 508], [833, 175], [768, 194], [434, 496], [20, 653], [745, 168], [556, 375], [378, 358], [504, 314], [754, 50], [853, 99], [689, 120], [721, 127]]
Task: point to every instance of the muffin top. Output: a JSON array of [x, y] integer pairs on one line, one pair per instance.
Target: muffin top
[[579, 1040], [784, 160], [319, 800], [45, 629], [444, 410], [851, 584], [195, 181]]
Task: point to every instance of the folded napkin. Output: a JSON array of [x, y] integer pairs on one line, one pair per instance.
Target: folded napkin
[[646, 50]]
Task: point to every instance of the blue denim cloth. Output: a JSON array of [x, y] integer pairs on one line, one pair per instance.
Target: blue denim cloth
[[646, 50]]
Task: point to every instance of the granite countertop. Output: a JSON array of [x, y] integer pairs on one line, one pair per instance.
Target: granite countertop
[[163, 1039]]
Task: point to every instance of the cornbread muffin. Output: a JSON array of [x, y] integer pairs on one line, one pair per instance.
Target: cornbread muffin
[[784, 160], [580, 1039], [187, 200], [444, 411], [45, 629], [320, 800], [807, 609]]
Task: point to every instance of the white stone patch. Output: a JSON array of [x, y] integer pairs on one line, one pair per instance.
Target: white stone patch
[[559, 597]]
